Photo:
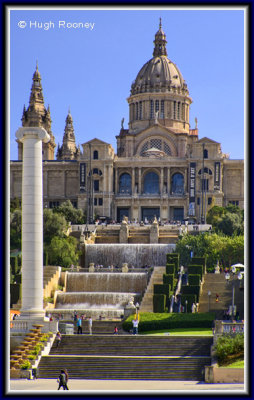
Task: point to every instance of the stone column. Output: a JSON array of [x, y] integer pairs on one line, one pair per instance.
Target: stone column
[[168, 181], [133, 181], [139, 181], [32, 222], [161, 180]]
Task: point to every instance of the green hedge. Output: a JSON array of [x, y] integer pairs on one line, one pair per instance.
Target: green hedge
[[159, 321], [195, 270], [162, 289], [159, 303], [173, 258], [199, 261], [191, 290], [168, 280], [191, 298], [194, 279], [15, 290], [170, 269]]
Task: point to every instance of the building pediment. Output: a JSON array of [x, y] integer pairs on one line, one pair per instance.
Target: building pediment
[[206, 140], [96, 141]]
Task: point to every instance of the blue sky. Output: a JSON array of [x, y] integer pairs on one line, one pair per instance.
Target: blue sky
[[91, 70]]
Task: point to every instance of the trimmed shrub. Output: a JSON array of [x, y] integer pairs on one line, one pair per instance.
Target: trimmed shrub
[[159, 303], [194, 280], [195, 270], [162, 289], [228, 346], [170, 269], [195, 290], [168, 280], [159, 321], [199, 261], [191, 298], [173, 258]]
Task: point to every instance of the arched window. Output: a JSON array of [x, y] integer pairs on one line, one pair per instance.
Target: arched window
[[205, 153], [95, 155], [151, 183], [125, 183], [177, 184]]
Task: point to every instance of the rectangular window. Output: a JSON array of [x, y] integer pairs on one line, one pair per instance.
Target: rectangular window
[[140, 110], [96, 185], [205, 184], [53, 204], [162, 109], [157, 105], [136, 110], [178, 110], [234, 202], [151, 109], [100, 201]]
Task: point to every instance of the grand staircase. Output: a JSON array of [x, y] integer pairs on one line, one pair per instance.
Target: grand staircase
[[128, 357], [216, 283], [156, 277]]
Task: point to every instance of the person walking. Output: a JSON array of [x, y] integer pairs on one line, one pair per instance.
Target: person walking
[[66, 378], [58, 339], [90, 325], [79, 325], [62, 380]]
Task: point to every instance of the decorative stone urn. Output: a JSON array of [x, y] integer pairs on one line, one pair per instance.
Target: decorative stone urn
[[125, 267], [91, 267]]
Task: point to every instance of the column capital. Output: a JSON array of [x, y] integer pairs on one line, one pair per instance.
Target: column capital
[[32, 133]]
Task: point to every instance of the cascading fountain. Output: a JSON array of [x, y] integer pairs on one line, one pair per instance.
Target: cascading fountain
[[102, 293], [136, 255]]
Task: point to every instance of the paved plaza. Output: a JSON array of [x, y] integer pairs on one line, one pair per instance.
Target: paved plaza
[[124, 386]]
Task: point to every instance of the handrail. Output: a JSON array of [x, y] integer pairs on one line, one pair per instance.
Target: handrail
[[178, 288]]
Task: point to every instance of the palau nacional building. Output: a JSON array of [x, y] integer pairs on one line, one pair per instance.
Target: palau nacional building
[[161, 167]]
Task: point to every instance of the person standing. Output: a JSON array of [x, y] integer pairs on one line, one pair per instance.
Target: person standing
[[90, 325], [135, 326], [79, 325]]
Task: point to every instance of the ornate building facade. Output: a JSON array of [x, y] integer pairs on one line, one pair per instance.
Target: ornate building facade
[[161, 166]]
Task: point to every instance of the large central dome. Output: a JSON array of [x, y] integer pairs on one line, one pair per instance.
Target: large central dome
[[159, 94], [159, 74]]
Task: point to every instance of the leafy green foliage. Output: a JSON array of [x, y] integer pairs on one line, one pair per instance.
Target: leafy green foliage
[[159, 321], [227, 250], [228, 346], [63, 251], [26, 365], [71, 214], [228, 220], [53, 225], [15, 229]]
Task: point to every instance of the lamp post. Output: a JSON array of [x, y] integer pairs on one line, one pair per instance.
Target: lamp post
[[239, 276], [209, 296], [137, 308]]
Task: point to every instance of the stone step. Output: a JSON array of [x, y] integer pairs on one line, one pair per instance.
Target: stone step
[[152, 368]]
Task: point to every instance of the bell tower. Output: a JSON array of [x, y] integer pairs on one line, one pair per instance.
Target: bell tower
[[69, 150], [36, 115]]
